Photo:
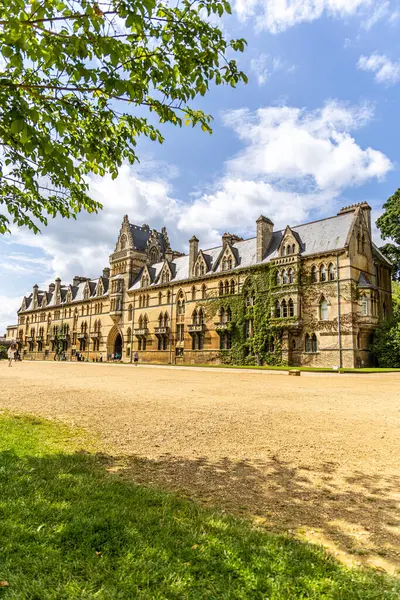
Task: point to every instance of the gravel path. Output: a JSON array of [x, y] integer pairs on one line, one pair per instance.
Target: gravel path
[[318, 456]]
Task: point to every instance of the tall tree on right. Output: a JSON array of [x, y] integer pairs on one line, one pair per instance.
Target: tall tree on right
[[389, 226]]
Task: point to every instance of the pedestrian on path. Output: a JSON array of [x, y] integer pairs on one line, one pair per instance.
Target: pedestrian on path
[[136, 358], [11, 355]]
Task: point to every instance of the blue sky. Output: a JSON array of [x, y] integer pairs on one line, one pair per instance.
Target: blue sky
[[316, 128]]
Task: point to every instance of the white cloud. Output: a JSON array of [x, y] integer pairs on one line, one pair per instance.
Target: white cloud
[[264, 66], [315, 149], [385, 70], [279, 15], [8, 311]]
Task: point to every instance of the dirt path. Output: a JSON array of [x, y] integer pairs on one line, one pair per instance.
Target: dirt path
[[318, 456]]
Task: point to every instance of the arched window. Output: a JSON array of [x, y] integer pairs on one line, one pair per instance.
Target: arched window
[[323, 310], [159, 297], [169, 297], [230, 263], [145, 322], [154, 256], [228, 315], [293, 248], [193, 292], [221, 288], [129, 334], [284, 308], [284, 276], [289, 249], [277, 309], [232, 286], [314, 343], [364, 305], [283, 250], [291, 307], [160, 320], [322, 273], [194, 317], [197, 270], [201, 269], [227, 287], [314, 275], [278, 278], [363, 244], [224, 264], [307, 344], [222, 315], [123, 242], [201, 317], [130, 312], [204, 292], [166, 319], [140, 322], [331, 271], [290, 275]]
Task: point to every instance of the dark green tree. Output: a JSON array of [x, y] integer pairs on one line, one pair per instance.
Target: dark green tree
[[389, 226], [386, 344], [78, 80]]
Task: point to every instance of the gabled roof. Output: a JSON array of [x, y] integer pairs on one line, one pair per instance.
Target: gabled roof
[[325, 235], [376, 252], [141, 236]]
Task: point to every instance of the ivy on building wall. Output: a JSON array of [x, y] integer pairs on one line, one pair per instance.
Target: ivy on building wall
[[256, 335]]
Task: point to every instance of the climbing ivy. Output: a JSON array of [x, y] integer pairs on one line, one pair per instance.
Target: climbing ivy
[[265, 345]]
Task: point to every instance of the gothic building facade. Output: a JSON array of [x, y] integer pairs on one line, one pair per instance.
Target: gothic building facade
[[329, 287]]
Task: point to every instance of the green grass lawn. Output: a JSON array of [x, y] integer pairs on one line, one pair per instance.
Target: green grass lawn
[[69, 529]]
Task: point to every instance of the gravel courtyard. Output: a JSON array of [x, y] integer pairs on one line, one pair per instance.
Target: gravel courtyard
[[317, 455]]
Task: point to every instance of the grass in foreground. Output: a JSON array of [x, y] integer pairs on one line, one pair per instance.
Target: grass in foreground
[[70, 530]]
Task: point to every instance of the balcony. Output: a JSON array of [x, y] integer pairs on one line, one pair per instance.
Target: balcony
[[30, 338], [141, 332], [161, 330], [95, 335], [82, 335], [196, 328], [40, 338]]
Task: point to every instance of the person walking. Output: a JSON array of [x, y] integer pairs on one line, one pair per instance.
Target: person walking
[[11, 355], [136, 358]]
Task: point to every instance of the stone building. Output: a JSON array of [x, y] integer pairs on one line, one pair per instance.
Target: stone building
[[328, 283]]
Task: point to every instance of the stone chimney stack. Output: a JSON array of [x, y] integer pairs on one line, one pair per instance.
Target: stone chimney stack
[[169, 254], [265, 229], [35, 296], [193, 252], [76, 280], [226, 239], [57, 290], [106, 273], [52, 288]]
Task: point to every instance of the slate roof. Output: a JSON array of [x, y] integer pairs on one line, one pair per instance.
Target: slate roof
[[326, 235], [77, 293], [141, 236], [364, 282]]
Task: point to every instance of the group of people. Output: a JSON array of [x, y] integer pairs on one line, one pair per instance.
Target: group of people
[[13, 354]]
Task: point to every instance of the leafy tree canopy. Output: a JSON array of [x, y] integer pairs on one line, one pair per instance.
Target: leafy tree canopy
[[77, 80], [389, 225], [386, 344]]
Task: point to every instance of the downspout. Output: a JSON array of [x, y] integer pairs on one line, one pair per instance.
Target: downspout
[[90, 327], [132, 323], [170, 332], [339, 314]]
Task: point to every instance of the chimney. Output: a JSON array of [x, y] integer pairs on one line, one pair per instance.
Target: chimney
[[51, 288], [57, 291], [265, 229], [169, 255], [76, 280], [226, 239], [35, 295], [106, 273], [193, 252]]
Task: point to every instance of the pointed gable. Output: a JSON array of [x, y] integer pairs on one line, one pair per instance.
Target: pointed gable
[[290, 242], [201, 265], [228, 259], [166, 273]]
